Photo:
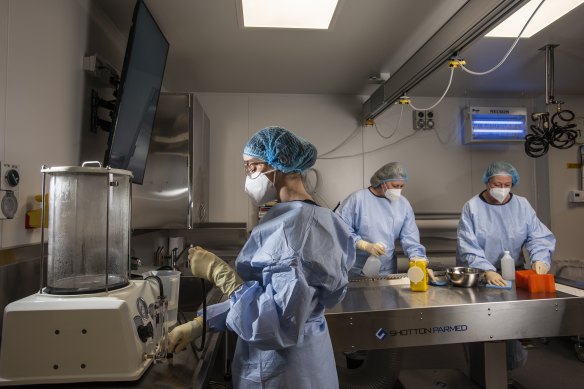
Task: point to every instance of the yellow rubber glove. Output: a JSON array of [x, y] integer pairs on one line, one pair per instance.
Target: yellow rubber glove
[[376, 249], [207, 265], [494, 278], [181, 336], [540, 267], [431, 275]]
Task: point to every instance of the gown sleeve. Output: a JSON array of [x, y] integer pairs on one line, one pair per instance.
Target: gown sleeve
[[540, 242], [296, 282], [410, 236], [349, 213], [469, 252]]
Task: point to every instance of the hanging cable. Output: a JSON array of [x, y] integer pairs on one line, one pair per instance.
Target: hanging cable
[[345, 141], [510, 50], [559, 135], [558, 130], [443, 94], [312, 188], [204, 293], [374, 150], [396, 126]]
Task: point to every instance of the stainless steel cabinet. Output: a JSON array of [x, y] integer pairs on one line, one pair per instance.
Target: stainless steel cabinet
[[200, 166], [175, 192]]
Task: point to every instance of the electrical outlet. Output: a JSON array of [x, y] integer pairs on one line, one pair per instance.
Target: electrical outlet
[[423, 120], [576, 196]]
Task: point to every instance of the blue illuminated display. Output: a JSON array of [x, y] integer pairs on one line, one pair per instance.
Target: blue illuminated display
[[494, 124]]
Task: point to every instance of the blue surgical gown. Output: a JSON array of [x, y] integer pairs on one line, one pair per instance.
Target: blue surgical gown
[[294, 264], [377, 219], [486, 230]]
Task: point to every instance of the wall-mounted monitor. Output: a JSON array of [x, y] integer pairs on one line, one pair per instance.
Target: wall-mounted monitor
[[494, 124], [137, 95]]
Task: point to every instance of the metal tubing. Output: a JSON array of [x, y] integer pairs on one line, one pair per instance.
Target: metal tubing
[[549, 73], [190, 162], [43, 190], [107, 203], [129, 256], [468, 24]]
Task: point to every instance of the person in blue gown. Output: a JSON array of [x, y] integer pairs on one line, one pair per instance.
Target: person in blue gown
[[378, 216], [293, 266], [497, 220]]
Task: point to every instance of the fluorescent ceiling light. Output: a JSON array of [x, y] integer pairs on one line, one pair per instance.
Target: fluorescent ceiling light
[[313, 14], [548, 13]]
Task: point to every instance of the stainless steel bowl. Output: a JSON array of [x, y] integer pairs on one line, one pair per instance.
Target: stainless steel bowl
[[463, 276]]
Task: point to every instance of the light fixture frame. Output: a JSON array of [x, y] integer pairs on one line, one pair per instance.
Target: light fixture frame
[[241, 22]]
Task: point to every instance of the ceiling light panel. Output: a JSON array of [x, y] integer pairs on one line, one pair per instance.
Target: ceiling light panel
[[309, 14], [548, 13]]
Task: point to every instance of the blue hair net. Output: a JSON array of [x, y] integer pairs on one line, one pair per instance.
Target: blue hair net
[[393, 171], [281, 149], [501, 169]]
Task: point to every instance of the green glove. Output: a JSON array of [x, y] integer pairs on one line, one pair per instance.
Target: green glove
[[376, 249], [207, 265], [182, 335]]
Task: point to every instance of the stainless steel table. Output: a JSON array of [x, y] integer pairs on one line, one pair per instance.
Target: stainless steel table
[[385, 313]]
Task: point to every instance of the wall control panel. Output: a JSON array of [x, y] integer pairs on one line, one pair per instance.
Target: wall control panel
[[9, 181], [9, 175], [424, 120]]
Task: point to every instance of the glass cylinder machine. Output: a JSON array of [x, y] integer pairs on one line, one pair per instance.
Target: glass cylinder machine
[[89, 321]]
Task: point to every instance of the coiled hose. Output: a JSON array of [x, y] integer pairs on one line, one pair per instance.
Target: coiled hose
[[559, 136]]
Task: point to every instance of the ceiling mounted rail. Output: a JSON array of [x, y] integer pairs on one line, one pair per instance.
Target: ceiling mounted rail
[[471, 22]]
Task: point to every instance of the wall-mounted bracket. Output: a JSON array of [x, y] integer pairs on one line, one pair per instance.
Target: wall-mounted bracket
[[101, 70], [97, 103]]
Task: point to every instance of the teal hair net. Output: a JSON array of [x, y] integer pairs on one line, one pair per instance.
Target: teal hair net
[[393, 171], [501, 169], [281, 149]]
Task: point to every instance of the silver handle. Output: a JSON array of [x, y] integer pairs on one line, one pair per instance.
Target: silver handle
[[91, 162]]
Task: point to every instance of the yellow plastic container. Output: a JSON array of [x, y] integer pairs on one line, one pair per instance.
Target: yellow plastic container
[[418, 275]]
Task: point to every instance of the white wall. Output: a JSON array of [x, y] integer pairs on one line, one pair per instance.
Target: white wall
[[324, 120], [567, 218], [43, 104], [443, 172], [42, 44]]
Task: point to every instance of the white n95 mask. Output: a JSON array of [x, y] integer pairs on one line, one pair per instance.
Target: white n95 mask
[[500, 194], [260, 189], [393, 194]]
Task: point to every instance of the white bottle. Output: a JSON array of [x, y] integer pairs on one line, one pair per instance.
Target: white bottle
[[507, 267], [372, 266]]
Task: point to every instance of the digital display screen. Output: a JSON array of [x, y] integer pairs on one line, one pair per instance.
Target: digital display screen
[[138, 93]]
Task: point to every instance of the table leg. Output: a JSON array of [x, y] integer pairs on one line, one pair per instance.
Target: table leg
[[488, 364]]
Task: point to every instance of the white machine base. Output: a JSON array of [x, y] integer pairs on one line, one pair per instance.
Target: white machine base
[[80, 338]]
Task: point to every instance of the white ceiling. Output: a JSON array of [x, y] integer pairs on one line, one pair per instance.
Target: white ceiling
[[210, 52]]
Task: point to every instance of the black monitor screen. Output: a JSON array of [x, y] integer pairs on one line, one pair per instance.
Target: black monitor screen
[[137, 95]]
